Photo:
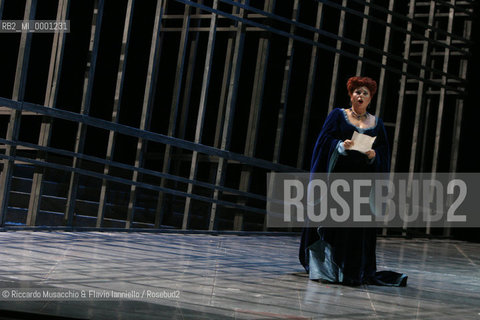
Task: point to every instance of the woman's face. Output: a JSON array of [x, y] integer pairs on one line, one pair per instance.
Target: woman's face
[[360, 97]]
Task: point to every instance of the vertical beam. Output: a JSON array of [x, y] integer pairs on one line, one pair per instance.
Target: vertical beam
[[16, 115], [122, 64], [402, 91], [310, 89], [201, 110], [254, 115], [425, 144], [403, 83], [187, 93], [336, 63], [441, 105], [421, 90], [457, 124], [419, 103], [85, 107], [386, 48], [224, 91], [172, 126], [282, 111], [457, 128], [363, 38], [227, 71], [381, 91], [56, 59], [467, 29], [229, 111], [285, 87], [284, 94], [419, 107], [148, 100]]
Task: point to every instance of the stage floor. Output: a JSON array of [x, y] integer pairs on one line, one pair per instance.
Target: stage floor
[[99, 275]]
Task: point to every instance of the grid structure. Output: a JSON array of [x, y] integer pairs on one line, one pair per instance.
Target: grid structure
[[171, 112]]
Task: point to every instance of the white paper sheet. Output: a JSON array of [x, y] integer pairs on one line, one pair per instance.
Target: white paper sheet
[[362, 142]]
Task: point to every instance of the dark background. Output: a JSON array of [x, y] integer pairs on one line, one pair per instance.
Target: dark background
[[76, 55]]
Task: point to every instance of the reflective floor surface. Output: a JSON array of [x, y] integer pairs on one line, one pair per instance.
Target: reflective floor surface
[[97, 275]]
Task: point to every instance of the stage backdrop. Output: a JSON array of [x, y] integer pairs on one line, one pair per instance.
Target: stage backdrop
[[170, 113]]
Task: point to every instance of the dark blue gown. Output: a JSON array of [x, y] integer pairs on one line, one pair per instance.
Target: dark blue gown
[[346, 255]]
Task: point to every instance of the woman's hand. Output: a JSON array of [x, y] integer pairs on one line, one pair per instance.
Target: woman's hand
[[347, 144], [371, 154]]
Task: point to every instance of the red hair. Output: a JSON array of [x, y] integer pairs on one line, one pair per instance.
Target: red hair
[[357, 82]]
